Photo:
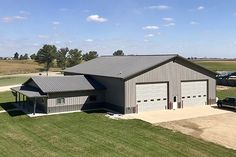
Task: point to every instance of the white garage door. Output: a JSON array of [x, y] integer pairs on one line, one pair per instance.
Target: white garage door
[[150, 97], [194, 93]]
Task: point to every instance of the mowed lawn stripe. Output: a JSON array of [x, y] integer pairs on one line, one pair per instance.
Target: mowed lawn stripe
[[95, 135]]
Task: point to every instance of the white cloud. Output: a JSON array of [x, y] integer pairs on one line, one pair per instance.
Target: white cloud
[[43, 36], [200, 8], [158, 7], [20, 17], [170, 24], [8, 19], [89, 40], [55, 22], [149, 35], [24, 12], [193, 23], [168, 19], [96, 18], [150, 27]]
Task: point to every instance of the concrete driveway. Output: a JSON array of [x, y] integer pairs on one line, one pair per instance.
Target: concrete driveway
[[179, 114], [207, 122], [218, 128]]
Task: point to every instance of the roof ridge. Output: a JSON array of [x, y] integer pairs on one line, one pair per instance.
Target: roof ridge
[[174, 54]]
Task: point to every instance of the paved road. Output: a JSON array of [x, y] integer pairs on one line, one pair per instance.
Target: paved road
[[34, 74], [8, 88]]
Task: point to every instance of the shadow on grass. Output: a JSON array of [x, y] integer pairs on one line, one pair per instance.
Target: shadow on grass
[[95, 111], [8, 107], [225, 108], [15, 113]]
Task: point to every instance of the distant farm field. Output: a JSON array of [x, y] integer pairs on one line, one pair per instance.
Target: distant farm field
[[218, 65], [8, 67], [18, 67], [226, 92]]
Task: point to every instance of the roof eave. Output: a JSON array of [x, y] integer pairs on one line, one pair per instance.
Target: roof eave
[[48, 92]]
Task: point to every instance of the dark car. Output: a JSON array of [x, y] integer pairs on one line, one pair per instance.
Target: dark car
[[227, 102]]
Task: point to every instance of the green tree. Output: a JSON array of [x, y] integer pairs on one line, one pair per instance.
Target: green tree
[[62, 57], [26, 56], [118, 53], [74, 57], [46, 55], [33, 56], [21, 57], [90, 55], [16, 56]]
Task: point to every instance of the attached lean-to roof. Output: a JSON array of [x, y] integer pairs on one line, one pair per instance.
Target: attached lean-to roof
[[65, 83], [119, 66], [29, 91]]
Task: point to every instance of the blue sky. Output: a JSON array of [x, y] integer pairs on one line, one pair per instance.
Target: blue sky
[[189, 27]]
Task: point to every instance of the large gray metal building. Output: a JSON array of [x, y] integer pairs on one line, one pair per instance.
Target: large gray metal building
[[126, 84]]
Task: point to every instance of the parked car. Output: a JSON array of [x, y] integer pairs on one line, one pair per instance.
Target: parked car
[[227, 102]]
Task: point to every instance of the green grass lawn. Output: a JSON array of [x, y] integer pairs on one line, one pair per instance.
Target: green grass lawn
[[5, 81], [218, 65], [93, 134], [221, 94]]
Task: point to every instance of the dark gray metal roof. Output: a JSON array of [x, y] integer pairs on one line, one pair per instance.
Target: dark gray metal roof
[[65, 83], [28, 91], [119, 66]]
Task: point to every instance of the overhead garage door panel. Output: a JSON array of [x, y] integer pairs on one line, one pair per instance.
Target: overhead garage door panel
[[194, 93], [151, 97]]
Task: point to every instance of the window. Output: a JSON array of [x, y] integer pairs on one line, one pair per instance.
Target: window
[[152, 99], [164, 98], [60, 101], [194, 96], [183, 97], [92, 98], [175, 98], [199, 96], [188, 96], [204, 95], [145, 100], [158, 99], [139, 101]]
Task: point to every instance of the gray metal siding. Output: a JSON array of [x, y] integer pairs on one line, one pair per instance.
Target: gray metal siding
[[114, 91], [73, 100], [172, 72], [78, 107]]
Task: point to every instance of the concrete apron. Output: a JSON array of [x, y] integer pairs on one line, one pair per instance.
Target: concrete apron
[[178, 114]]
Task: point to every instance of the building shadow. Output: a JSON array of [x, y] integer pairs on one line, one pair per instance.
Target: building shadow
[[15, 113], [11, 109], [7, 106]]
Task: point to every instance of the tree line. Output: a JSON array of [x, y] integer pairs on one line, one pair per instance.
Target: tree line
[[64, 57], [17, 56]]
